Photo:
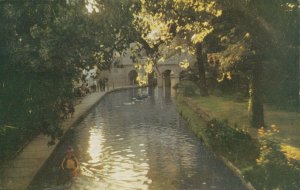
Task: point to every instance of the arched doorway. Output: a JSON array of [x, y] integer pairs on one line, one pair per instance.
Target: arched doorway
[[132, 77], [152, 79], [167, 78]]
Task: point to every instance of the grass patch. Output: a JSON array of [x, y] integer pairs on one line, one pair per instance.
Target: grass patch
[[225, 108]]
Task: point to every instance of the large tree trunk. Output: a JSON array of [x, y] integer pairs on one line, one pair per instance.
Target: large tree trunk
[[201, 60], [256, 109]]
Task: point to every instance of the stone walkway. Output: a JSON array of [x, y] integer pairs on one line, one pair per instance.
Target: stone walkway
[[19, 172]]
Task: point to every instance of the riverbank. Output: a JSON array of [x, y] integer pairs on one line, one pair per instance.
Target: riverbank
[[196, 118], [16, 174], [274, 166]]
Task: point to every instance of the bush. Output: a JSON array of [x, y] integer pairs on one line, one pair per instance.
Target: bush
[[239, 97], [186, 88], [273, 170], [11, 141], [189, 91], [274, 176], [235, 144], [218, 93]]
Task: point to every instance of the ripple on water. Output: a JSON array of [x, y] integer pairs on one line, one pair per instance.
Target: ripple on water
[[139, 147]]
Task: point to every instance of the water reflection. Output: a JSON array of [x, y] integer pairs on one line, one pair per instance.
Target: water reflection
[[95, 144], [112, 167], [140, 146]]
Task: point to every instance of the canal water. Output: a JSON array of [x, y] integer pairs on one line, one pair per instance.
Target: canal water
[[129, 144]]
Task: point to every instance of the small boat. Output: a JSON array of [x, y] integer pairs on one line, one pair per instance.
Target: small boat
[[141, 96], [129, 103]]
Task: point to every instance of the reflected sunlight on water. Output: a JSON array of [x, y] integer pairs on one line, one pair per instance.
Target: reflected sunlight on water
[[120, 170], [95, 144], [144, 146]]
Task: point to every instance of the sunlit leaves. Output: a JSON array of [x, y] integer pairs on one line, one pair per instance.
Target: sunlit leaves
[[92, 6], [154, 27], [233, 54], [148, 67], [143, 70], [174, 26], [191, 18], [99, 56], [184, 64], [161, 60], [199, 36], [142, 79]]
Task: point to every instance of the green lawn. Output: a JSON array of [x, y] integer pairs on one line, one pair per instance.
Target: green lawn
[[288, 123]]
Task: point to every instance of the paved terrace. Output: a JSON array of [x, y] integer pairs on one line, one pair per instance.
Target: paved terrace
[[17, 174]]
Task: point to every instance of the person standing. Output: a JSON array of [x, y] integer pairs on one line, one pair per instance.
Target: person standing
[[69, 166]]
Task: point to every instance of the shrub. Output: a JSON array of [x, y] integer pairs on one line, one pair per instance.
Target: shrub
[[273, 169], [235, 144], [218, 93], [186, 88], [239, 97], [11, 141]]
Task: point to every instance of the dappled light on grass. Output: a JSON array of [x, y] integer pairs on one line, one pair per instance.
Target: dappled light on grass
[[274, 169], [291, 152], [286, 123]]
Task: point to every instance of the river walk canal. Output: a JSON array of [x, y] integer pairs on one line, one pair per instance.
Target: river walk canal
[[124, 144]]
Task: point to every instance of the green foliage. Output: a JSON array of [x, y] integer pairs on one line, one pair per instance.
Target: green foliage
[[249, 32], [13, 140], [36, 74], [218, 93], [239, 97], [43, 47], [186, 88], [273, 167], [233, 143], [274, 175], [273, 170]]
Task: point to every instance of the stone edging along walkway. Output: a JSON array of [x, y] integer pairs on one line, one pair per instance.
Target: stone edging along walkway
[[206, 117], [18, 173]]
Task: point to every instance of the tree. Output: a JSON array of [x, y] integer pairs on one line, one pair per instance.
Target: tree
[[281, 16], [160, 22], [247, 42], [44, 47], [38, 68]]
